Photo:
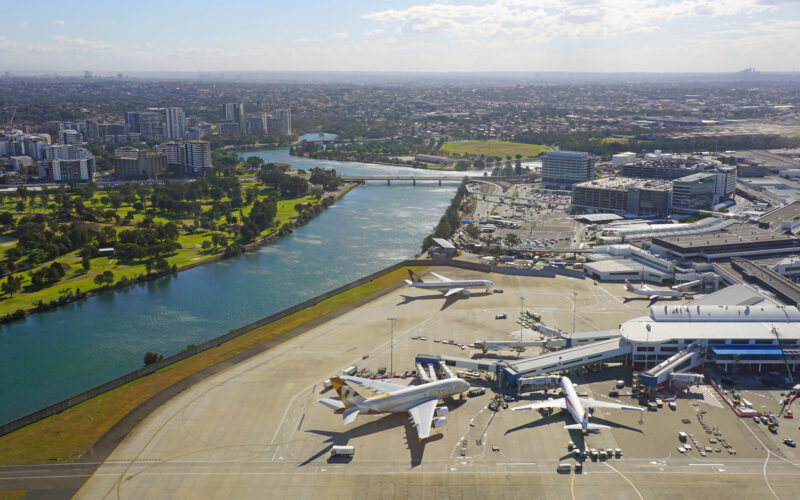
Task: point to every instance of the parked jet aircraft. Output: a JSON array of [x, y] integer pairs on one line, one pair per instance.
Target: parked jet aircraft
[[575, 405], [653, 294], [446, 285], [419, 401]]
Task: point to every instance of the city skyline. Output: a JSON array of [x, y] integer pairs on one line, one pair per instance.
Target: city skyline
[[413, 36]]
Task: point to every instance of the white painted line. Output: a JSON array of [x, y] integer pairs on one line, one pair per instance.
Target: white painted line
[[713, 465], [515, 463]]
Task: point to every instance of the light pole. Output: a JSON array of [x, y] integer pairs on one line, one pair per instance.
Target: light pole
[[521, 316], [391, 346], [574, 309]]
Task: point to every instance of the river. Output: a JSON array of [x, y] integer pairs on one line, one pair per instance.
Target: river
[[52, 355]]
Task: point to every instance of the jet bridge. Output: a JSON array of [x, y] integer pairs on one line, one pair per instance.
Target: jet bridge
[[692, 356], [595, 352]]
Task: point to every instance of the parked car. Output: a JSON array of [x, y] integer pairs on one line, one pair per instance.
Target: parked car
[[789, 442], [498, 290], [501, 316]]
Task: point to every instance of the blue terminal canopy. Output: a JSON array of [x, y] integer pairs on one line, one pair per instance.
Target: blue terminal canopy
[[745, 350]]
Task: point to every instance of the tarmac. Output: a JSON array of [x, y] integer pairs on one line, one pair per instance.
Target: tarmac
[[255, 430]]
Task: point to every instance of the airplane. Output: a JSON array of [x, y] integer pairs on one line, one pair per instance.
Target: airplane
[[653, 294], [575, 405], [419, 401], [446, 285]]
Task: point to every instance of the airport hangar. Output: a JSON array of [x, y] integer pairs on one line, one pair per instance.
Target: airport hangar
[[671, 340]]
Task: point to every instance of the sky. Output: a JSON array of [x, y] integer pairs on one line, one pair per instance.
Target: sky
[[402, 35]]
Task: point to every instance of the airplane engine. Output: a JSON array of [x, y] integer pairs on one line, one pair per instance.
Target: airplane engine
[[438, 422], [465, 292], [442, 411]]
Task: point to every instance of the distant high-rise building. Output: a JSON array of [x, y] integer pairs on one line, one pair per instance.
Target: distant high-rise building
[[285, 116], [87, 75], [67, 170], [175, 151], [175, 123], [234, 112], [253, 125], [562, 169], [132, 163], [151, 126], [132, 119], [198, 157], [69, 136]]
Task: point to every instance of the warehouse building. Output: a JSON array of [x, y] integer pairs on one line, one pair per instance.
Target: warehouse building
[[736, 240]]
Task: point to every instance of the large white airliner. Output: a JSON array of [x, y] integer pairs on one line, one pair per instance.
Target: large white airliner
[[576, 407], [419, 401], [653, 294], [446, 285]]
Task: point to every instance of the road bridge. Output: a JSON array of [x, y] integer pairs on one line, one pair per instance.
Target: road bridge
[[784, 288], [415, 178]]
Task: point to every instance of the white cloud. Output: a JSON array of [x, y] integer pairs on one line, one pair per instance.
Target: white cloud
[[58, 21], [83, 44], [340, 35], [375, 32], [309, 40], [542, 21]]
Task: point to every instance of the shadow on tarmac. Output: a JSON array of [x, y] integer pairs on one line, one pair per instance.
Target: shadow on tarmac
[[448, 301], [416, 447]]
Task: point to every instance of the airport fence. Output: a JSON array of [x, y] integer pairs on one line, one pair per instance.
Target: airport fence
[[196, 349]]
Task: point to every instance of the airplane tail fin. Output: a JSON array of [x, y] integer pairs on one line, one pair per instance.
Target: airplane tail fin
[[414, 277], [628, 286], [347, 394]]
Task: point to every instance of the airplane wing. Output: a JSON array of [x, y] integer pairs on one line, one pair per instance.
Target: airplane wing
[[378, 386], [550, 403], [440, 277], [453, 291], [422, 416], [593, 403]]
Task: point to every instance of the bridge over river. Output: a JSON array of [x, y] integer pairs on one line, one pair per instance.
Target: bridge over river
[[431, 178]]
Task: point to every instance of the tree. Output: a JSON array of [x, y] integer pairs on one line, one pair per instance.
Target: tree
[[151, 357], [473, 231], [512, 240], [12, 285], [86, 263], [104, 279]]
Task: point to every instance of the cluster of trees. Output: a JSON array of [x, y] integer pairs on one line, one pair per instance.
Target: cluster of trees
[[387, 151], [450, 220], [328, 179], [151, 241], [261, 217], [291, 186]]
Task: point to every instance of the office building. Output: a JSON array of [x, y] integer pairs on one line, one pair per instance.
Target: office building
[[694, 192], [253, 125], [198, 157], [175, 123], [132, 163], [562, 169], [234, 112]]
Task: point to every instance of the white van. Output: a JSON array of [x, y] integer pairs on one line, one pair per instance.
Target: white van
[[343, 451], [564, 467]]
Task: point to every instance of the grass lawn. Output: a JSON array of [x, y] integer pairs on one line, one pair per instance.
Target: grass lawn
[[493, 148], [67, 436]]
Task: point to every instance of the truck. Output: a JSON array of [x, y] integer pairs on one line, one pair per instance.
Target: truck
[[350, 370], [344, 452]]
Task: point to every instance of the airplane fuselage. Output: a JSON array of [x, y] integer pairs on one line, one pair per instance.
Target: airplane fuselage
[[447, 285], [653, 293], [403, 399], [574, 406]]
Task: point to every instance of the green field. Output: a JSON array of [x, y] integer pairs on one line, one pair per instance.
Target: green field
[[493, 148]]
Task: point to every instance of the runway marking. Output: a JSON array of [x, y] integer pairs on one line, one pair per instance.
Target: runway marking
[[626, 479], [766, 461], [709, 465]]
